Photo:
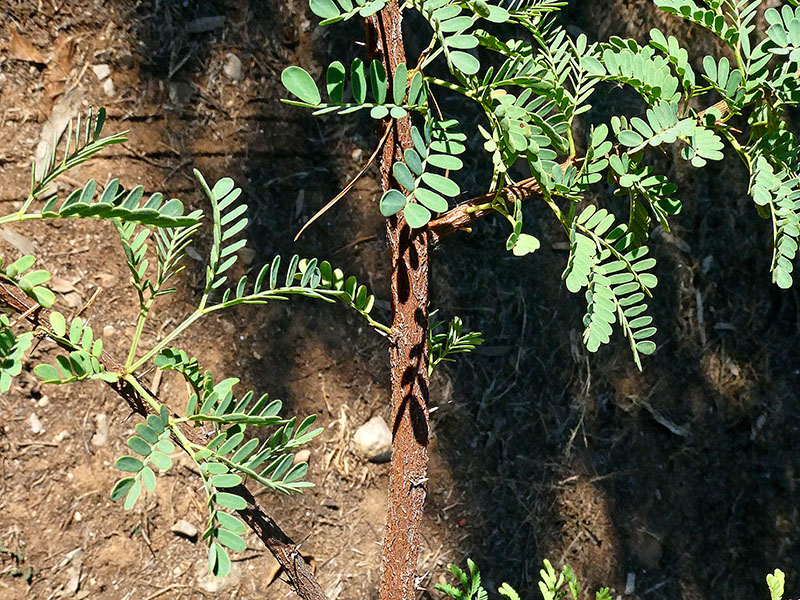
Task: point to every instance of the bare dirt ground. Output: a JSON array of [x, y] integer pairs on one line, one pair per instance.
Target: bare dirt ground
[[684, 475]]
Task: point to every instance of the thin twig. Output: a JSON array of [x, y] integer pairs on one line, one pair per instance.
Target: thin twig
[[350, 185]]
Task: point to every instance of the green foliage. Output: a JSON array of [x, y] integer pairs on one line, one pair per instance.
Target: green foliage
[[228, 222], [12, 351], [302, 85], [441, 344], [531, 89], [650, 195], [712, 18], [784, 32], [663, 126], [471, 588], [552, 585], [677, 56], [153, 445], [529, 83], [230, 457], [83, 362], [437, 147], [87, 142], [232, 454], [617, 281], [31, 282], [114, 204], [627, 62], [333, 11], [779, 193], [775, 582]]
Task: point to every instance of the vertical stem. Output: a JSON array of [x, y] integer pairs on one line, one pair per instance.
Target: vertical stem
[[408, 352]]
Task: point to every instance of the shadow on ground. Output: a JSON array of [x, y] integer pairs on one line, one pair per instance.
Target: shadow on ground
[[683, 475]]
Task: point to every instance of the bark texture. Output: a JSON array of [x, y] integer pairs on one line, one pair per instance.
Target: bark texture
[[408, 353]]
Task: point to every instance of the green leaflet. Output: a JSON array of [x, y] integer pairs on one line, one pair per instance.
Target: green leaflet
[[435, 147], [153, 451], [784, 31], [12, 351], [369, 89], [664, 126], [84, 360], [617, 279], [650, 75], [443, 344], [705, 17], [676, 55], [779, 192], [29, 281], [334, 11], [116, 205]]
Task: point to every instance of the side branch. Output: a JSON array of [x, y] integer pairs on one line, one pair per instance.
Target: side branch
[[276, 541], [463, 215]]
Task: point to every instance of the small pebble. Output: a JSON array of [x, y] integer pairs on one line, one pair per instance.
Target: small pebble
[[302, 456], [101, 71], [108, 88], [185, 529], [373, 440], [107, 280], [109, 332], [232, 67], [214, 585], [43, 401], [35, 424], [100, 438], [63, 435], [228, 327], [77, 516], [73, 299], [630, 583], [356, 155]]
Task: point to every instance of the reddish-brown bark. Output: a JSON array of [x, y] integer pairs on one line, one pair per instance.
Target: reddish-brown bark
[[408, 353]]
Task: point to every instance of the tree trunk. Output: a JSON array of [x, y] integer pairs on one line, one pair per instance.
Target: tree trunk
[[408, 353]]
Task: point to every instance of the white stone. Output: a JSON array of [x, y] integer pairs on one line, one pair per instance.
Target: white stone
[[35, 424], [108, 88], [101, 71], [213, 585], [302, 457], [100, 437], [630, 583], [373, 440], [184, 529], [232, 67]]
